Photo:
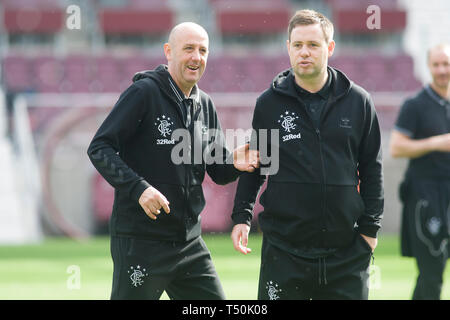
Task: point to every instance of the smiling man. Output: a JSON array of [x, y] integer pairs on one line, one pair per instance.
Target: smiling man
[[153, 251], [422, 134], [319, 232], [187, 59]]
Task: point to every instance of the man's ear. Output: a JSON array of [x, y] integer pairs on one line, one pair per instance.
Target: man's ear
[[287, 45], [167, 51], [331, 46]]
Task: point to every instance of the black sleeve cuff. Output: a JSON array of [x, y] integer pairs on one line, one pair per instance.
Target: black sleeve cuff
[[242, 218], [370, 231], [138, 189]]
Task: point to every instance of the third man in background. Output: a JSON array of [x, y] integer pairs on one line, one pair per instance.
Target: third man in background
[[422, 134]]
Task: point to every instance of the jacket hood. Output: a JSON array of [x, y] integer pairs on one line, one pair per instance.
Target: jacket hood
[[159, 74], [283, 83], [162, 77]]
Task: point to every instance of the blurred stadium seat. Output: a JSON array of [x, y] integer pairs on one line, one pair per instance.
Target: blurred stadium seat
[[225, 73], [362, 4], [17, 73], [350, 16], [27, 16], [108, 76], [137, 17], [253, 16], [78, 70]]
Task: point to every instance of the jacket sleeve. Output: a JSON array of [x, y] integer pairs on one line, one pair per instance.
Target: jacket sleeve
[[118, 127], [249, 185], [219, 163], [370, 168], [248, 188]]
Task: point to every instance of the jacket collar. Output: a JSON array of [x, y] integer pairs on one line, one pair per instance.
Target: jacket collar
[[162, 76], [437, 98], [323, 92], [340, 84], [179, 94]]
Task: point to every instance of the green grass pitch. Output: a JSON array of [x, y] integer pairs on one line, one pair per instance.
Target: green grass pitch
[[44, 271]]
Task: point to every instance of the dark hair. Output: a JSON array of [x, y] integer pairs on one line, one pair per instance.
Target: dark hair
[[308, 17]]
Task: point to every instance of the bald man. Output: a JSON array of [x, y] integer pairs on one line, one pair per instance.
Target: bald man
[[144, 150], [422, 134]]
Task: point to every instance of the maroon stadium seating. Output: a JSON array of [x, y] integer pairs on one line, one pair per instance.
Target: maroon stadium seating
[[224, 73], [17, 73], [28, 16], [138, 17], [350, 16], [247, 17]]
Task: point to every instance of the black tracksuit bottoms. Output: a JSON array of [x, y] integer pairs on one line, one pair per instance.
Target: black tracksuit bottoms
[[342, 275], [425, 233], [144, 269]]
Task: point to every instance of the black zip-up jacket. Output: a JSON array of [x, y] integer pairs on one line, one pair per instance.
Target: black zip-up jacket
[[313, 199], [132, 150]]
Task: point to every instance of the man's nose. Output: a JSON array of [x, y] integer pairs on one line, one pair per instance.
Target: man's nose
[[304, 52], [196, 55]]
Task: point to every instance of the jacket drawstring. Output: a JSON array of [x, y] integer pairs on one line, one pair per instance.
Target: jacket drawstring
[[322, 271]]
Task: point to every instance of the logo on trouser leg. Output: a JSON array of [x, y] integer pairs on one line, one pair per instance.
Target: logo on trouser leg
[[434, 226], [374, 277], [137, 275], [273, 290]]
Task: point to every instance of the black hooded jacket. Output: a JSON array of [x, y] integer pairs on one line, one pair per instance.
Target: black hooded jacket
[[313, 199], [133, 147]]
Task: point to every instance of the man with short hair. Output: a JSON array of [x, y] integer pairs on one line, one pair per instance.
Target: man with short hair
[[319, 232], [134, 151], [422, 134]]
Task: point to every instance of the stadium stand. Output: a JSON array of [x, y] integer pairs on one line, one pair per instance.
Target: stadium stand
[[27, 16], [225, 73], [16, 73], [136, 17], [262, 17]]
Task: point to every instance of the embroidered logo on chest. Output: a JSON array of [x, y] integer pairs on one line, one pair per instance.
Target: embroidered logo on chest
[[164, 125], [287, 121], [345, 123]]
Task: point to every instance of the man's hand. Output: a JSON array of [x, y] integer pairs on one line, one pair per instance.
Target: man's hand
[[245, 159], [151, 200], [239, 236], [371, 241]]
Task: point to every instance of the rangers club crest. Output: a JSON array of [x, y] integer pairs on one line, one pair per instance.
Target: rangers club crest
[[137, 275], [288, 123], [164, 125], [273, 290], [434, 225]]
